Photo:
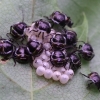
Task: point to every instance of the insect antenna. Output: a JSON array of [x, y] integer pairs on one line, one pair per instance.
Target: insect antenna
[[84, 75], [22, 10], [0, 37]]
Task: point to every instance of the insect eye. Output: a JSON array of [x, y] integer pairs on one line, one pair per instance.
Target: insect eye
[[68, 18], [18, 52], [54, 57], [54, 40], [75, 60], [26, 52], [8, 49]]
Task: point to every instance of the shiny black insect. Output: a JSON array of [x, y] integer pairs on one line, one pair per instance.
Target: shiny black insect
[[60, 18], [22, 55], [86, 51], [41, 26], [71, 38], [35, 48], [58, 42], [75, 62], [58, 59], [94, 78], [17, 30], [6, 48]]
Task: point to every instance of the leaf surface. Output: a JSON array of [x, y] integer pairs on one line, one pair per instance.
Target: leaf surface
[[21, 82]]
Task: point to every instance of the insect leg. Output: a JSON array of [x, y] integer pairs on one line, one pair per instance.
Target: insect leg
[[39, 34], [89, 85]]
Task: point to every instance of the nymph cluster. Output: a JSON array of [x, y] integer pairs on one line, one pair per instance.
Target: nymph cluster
[[55, 54]]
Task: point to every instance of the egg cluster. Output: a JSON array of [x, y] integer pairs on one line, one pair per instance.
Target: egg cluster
[[61, 56], [50, 47], [43, 64]]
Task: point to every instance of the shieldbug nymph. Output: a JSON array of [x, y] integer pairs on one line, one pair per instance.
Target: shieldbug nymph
[[58, 58], [35, 48], [75, 62], [71, 37], [94, 77], [22, 55], [58, 41], [17, 29], [41, 27], [60, 18], [86, 51], [6, 48]]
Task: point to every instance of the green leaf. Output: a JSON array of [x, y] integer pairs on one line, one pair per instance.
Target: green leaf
[[21, 82], [82, 30]]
